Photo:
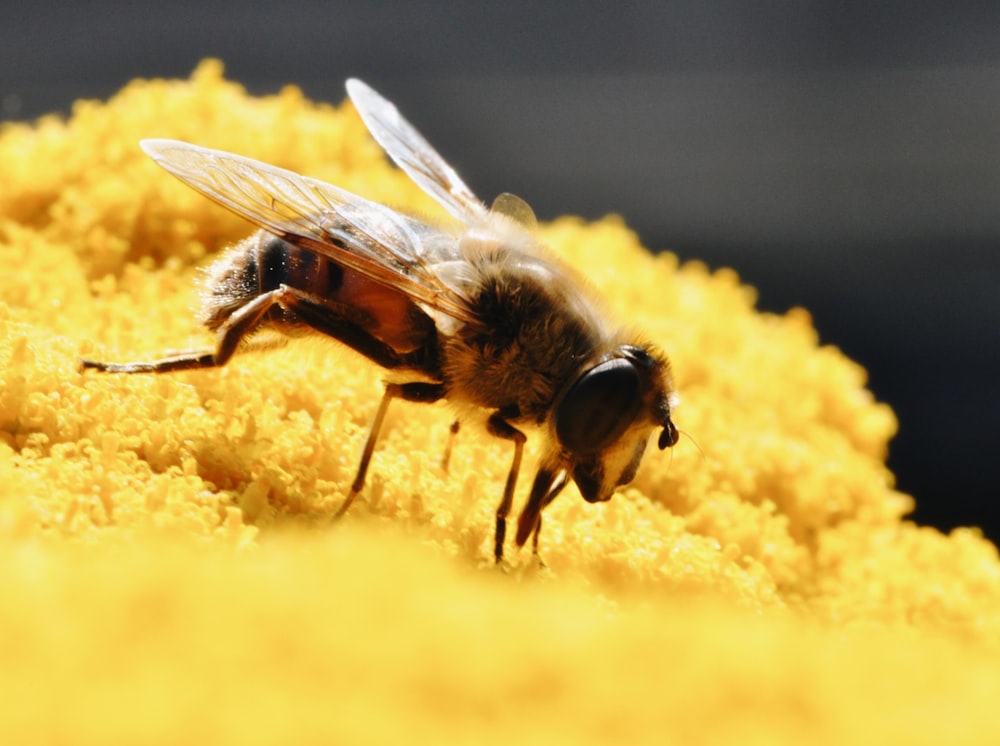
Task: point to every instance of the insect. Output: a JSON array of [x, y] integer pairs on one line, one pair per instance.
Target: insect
[[478, 314]]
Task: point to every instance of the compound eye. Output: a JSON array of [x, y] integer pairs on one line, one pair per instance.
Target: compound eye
[[600, 407]]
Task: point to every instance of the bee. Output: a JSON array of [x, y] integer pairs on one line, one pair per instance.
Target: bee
[[478, 314]]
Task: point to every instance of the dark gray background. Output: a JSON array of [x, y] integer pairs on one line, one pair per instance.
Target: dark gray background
[[843, 156]]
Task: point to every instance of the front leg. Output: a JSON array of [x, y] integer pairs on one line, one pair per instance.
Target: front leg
[[548, 483], [498, 426]]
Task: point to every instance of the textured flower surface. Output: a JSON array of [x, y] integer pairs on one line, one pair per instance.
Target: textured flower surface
[[170, 571]]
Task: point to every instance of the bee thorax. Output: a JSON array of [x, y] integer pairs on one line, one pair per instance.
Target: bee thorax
[[530, 345]]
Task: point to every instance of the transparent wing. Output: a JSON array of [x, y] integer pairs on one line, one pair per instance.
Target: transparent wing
[[412, 153], [356, 233]]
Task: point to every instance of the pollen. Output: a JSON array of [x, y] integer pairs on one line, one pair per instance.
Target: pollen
[[171, 571]]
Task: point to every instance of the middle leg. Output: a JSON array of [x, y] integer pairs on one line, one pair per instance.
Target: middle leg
[[417, 392], [498, 426]]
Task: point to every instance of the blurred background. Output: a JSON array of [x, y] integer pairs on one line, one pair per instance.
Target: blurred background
[[841, 156]]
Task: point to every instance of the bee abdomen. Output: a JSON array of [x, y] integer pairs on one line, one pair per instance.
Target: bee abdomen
[[259, 264], [282, 263]]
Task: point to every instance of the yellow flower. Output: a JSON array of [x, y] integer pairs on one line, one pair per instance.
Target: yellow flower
[[170, 571]]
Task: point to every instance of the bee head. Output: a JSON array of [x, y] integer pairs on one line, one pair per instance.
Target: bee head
[[605, 418]]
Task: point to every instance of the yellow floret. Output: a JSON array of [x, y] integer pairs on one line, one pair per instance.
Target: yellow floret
[[170, 572]]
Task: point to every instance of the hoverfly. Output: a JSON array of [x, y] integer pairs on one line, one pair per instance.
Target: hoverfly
[[478, 315]]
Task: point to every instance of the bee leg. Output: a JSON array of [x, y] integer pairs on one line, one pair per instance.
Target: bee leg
[[181, 361], [249, 317], [231, 333], [452, 432], [534, 535], [548, 483], [498, 426], [317, 315], [534, 541], [417, 392]]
